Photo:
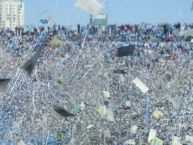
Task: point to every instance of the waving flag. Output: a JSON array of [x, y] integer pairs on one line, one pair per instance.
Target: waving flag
[[91, 6]]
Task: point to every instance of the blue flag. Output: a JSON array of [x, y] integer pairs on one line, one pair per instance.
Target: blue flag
[[44, 21]]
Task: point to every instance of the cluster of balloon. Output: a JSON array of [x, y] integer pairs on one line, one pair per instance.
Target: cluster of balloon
[[56, 42]]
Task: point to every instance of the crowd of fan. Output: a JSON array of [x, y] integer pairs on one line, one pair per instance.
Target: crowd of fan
[[77, 73]]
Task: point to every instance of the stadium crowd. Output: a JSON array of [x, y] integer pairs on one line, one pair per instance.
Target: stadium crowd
[[81, 72]]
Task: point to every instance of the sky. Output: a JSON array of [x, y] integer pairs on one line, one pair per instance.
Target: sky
[[119, 11]]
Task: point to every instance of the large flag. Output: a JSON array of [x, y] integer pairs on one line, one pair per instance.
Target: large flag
[[29, 65], [91, 6], [126, 51]]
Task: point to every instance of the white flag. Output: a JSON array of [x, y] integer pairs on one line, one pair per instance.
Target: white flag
[[176, 140], [90, 126], [189, 138], [21, 143], [110, 115], [140, 85], [91, 6], [106, 94], [187, 33], [129, 142], [152, 135]]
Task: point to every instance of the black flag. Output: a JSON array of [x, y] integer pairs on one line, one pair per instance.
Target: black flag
[[60, 110], [29, 65], [119, 71], [78, 28], [126, 51], [3, 84]]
